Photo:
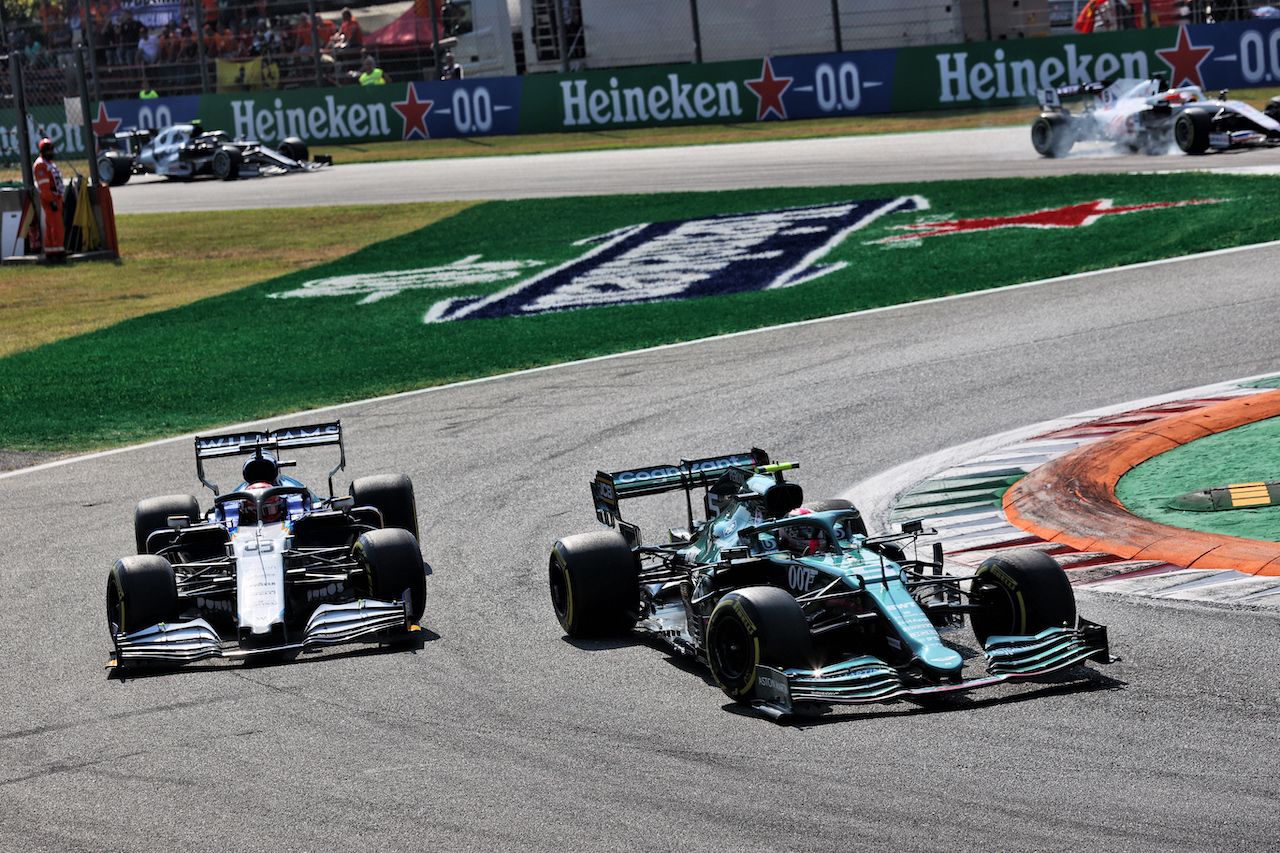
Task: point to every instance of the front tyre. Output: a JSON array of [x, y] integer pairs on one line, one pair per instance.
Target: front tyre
[[1021, 593], [595, 582], [753, 626], [389, 563], [226, 163], [114, 168], [1051, 135], [294, 148], [141, 592], [1191, 130]]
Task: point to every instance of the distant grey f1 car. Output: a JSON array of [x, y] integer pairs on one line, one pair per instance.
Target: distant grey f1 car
[[790, 602], [1147, 116], [270, 567], [186, 151]]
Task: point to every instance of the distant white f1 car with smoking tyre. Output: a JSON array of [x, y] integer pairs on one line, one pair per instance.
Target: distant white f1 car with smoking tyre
[[1148, 117], [187, 151], [270, 567]]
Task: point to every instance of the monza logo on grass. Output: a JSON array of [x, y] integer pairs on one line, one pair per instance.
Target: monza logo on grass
[[686, 259]]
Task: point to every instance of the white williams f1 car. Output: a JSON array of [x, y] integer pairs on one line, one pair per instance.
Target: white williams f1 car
[[270, 567], [1146, 116], [186, 151]]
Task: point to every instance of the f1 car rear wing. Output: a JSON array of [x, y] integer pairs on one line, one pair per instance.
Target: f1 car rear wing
[[254, 441], [608, 490]]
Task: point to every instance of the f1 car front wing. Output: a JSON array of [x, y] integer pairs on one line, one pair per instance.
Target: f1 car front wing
[[330, 624], [867, 679]]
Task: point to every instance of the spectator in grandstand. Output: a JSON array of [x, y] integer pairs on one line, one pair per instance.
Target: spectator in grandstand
[[38, 56], [449, 68], [147, 91], [170, 44], [325, 31], [107, 39], [228, 46], [130, 33], [345, 44], [370, 74], [148, 47]]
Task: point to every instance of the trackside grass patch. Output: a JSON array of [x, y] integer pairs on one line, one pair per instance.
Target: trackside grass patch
[[508, 285]]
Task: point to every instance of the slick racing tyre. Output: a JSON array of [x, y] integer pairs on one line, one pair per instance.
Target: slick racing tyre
[[226, 163], [1272, 109], [859, 526], [294, 148], [1021, 593], [114, 168], [141, 592], [1191, 130], [389, 563], [153, 514], [391, 495], [595, 584], [1051, 135], [753, 626]]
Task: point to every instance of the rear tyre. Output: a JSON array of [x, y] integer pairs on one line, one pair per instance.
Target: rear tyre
[[294, 148], [1021, 593], [153, 514], [595, 582], [859, 526], [1051, 135], [1191, 130], [390, 563], [141, 592], [391, 495], [226, 163], [753, 626]]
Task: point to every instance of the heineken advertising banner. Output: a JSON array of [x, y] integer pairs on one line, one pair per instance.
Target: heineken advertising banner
[[1236, 55]]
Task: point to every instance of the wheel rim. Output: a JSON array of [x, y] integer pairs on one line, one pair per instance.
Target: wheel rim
[[561, 595], [1182, 133], [731, 651], [221, 164], [1040, 136]]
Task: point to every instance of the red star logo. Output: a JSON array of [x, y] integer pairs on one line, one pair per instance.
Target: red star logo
[[104, 125], [769, 90], [1072, 216], [1185, 60], [414, 113]]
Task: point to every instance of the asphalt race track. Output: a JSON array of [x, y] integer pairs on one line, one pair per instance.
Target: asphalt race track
[[498, 734], [991, 153]]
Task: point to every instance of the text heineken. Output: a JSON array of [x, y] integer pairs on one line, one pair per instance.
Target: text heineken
[[315, 123], [670, 101], [961, 80]]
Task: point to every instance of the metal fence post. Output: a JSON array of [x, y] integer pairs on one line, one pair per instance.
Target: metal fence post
[[697, 32], [835, 22]]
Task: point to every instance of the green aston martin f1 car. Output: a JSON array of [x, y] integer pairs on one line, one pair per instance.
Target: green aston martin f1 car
[[791, 602]]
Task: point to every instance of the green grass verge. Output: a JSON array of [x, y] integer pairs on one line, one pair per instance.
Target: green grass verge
[[241, 355], [1240, 455]]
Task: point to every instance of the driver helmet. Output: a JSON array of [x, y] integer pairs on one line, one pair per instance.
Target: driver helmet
[[272, 507], [805, 539]]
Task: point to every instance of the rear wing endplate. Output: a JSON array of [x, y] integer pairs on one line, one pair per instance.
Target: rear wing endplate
[[251, 441]]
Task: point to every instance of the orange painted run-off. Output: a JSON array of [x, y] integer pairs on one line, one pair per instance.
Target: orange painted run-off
[[1072, 499]]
